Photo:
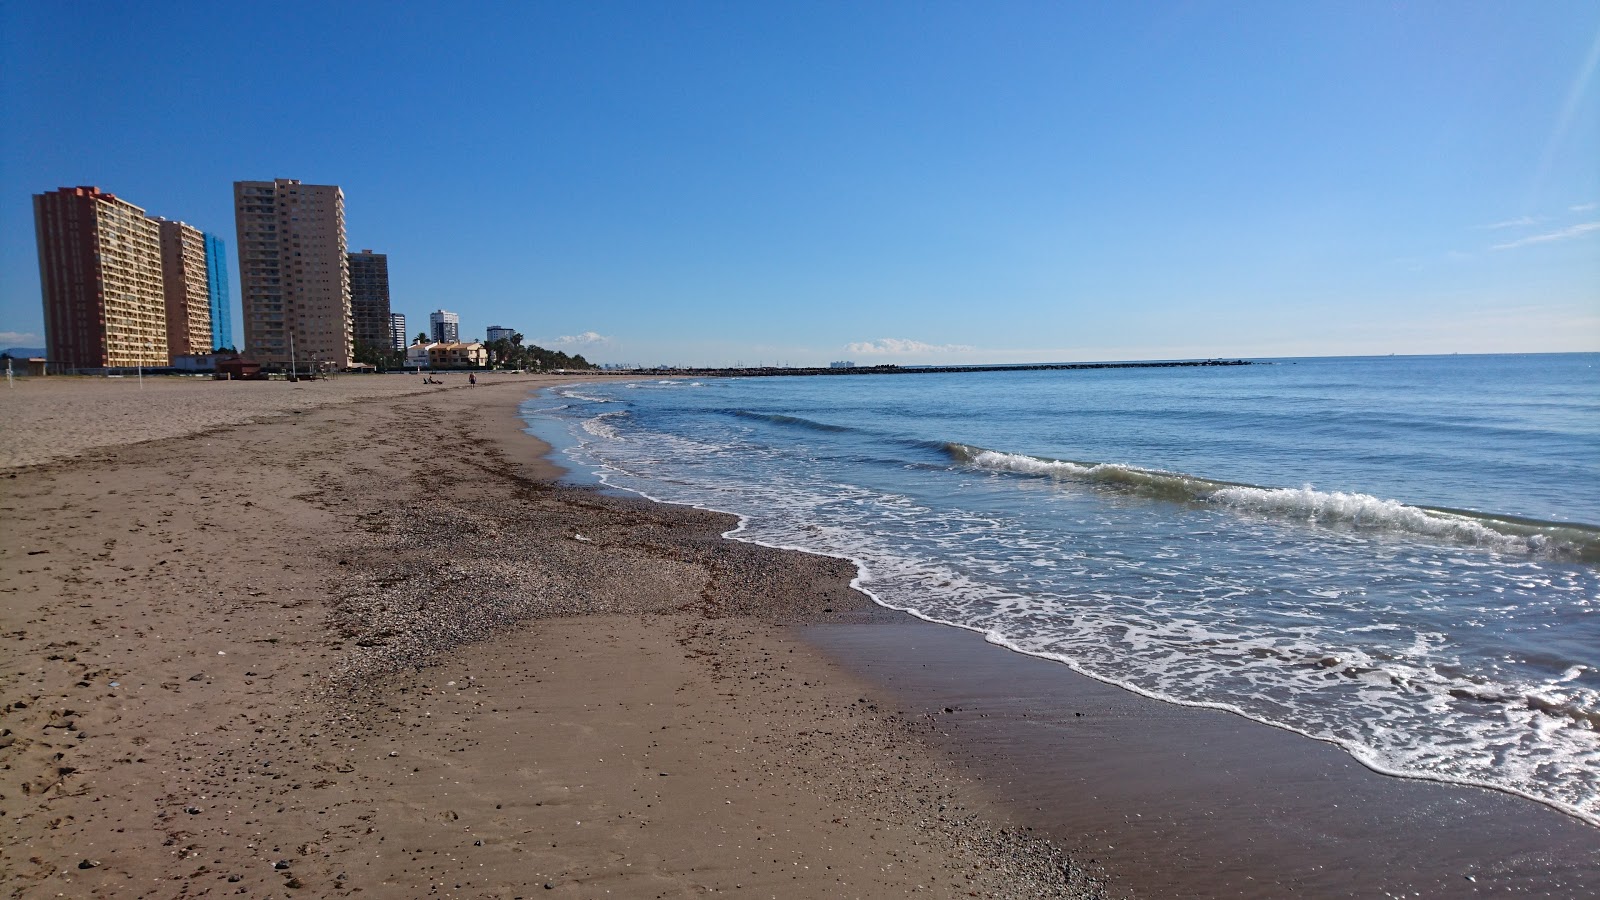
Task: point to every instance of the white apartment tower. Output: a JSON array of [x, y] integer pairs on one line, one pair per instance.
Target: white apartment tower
[[294, 273], [444, 326]]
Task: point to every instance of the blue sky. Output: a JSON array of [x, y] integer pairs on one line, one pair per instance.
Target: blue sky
[[794, 183]]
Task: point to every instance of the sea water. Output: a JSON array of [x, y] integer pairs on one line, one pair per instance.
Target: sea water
[[1397, 555]]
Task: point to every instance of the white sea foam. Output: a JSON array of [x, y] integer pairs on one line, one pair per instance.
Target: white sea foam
[[1027, 465], [1306, 504], [1210, 603], [1571, 673], [1366, 511], [600, 427], [572, 393]]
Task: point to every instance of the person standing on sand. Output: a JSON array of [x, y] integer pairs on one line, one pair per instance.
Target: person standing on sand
[[472, 378]]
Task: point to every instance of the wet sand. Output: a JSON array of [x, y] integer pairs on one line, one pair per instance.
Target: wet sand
[[1184, 802]]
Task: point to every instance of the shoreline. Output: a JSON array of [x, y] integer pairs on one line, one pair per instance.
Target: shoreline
[[1190, 801], [299, 651], [445, 647], [1357, 812]]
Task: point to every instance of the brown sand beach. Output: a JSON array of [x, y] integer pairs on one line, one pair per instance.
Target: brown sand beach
[[346, 638], [350, 638]]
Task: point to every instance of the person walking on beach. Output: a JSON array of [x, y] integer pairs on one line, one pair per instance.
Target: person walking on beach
[[472, 378]]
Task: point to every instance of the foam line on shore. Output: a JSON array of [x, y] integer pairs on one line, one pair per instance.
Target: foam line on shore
[[863, 576], [1370, 757]]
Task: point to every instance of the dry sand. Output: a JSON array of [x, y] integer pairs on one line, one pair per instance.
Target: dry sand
[[345, 638], [56, 418]]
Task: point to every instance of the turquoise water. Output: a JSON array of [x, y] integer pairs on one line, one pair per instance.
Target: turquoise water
[[1394, 554]]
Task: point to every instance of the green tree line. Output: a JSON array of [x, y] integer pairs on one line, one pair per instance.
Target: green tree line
[[510, 353]]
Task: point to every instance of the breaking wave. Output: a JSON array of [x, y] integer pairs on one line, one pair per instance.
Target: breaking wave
[[1342, 616], [1361, 512]]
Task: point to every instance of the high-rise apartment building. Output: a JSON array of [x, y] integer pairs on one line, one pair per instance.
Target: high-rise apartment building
[[369, 299], [444, 326], [188, 293], [294, 275], [398, 339], [498, 333], [100, 277], [217, 292]]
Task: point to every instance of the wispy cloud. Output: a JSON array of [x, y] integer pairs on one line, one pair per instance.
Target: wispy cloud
[[20, 339], [1571, 231], [586, 339], [902, 347], [1519, 222], [1584, 207]]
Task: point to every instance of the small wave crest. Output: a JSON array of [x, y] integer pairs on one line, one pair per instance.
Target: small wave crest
[[1146, 482], [793, 421], [573, 394], [1307, 504], [601, 428], [1367, 511]]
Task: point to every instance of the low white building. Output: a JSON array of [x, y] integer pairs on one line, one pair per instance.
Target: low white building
[[417, 355], [447, 355]]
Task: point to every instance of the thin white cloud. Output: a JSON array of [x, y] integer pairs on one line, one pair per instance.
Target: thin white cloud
[[1584, 207], [20, 339], [1571, 231], [587, 338], [902, 347], [1519, 222]]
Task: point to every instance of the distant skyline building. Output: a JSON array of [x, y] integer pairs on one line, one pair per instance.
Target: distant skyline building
[[294, 273], [217, 292], [100, 279], [398, 338], [369, 299], [498, 333], [444, 326], [188, 292]]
